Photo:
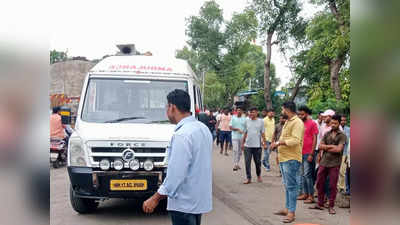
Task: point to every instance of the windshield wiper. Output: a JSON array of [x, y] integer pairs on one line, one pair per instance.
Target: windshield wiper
[[124, 119], [160, 121]]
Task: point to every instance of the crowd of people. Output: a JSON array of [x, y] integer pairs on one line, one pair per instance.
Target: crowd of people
[[313, 155]]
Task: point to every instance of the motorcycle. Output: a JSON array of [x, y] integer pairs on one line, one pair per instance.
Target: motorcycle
[[58, 152]]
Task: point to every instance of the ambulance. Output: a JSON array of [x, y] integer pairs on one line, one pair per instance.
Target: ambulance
[[122, 133]]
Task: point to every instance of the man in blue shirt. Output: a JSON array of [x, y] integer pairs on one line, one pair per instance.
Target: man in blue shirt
[[188, 185], [237, 126]]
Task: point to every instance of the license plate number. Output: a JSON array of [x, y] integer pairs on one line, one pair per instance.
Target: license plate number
[[128, 185]]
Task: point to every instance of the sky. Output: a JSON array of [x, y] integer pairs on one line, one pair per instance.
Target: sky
[[93, 28]]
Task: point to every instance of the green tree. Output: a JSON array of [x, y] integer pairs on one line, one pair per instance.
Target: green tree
[[58, 56], [280, 18], [192, 58], [224, 54], [329, 32], [205, 36]]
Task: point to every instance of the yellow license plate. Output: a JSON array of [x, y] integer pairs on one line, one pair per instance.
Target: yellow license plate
[[65, 113], [128, 185]]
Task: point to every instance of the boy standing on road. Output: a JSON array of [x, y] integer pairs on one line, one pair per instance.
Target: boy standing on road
[[309, 143], [332, 145], [290, 145], [225, 133], [237, 125], [251, 145], [269, 124]]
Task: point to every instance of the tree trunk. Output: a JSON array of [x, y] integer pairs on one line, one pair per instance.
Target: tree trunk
[[267, 73], [334, 67], [333, 8], [337, 63], [296, 89]]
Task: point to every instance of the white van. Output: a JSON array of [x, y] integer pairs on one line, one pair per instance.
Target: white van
[[118, 149]]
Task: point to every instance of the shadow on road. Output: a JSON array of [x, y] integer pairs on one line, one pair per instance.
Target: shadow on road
[[125, 209]]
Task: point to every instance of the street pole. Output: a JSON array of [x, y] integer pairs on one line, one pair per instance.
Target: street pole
[[249, 84], [202, 91]]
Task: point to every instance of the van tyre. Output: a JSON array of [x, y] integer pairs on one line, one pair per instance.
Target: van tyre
[[82, 205]]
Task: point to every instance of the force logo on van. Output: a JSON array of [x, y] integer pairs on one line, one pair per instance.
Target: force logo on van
[[126, 144]]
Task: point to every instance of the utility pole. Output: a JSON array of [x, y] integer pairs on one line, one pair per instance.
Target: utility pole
[[249, 84], [202, 91]]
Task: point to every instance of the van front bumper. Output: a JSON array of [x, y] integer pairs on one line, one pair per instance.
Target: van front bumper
[[87, 183]]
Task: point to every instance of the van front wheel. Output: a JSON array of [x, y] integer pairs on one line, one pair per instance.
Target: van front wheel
[[82, 205]]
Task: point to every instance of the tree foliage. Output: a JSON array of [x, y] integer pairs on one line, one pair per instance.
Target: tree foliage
[[326, 44], [223, 50], [279, 18], [58, 56]]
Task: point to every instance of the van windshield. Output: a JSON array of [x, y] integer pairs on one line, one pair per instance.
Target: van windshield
[[128, 100]]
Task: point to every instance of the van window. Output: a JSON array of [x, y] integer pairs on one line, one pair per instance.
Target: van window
[[144, 101]]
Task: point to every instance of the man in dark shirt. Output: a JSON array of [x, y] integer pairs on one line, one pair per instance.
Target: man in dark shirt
[[332, 145], [211, 123]]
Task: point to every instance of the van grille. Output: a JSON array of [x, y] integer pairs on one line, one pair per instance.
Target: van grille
[[120, 150], [141, 159]]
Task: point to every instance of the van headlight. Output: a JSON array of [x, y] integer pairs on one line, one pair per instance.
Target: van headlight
[[105, 164], [148, 165], [76, 152], [118, 164], [134, 164]]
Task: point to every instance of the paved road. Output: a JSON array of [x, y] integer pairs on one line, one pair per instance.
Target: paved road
[[234, 202], [122, 212]]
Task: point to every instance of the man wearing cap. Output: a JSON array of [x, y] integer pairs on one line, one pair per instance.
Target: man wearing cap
[[326, 127], [331, 145]]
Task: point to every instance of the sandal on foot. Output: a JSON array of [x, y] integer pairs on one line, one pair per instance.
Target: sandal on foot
[[316, 207], [247, 182], [288, 220], [301, 197], [332, 211], [309, 201], [281, 213]]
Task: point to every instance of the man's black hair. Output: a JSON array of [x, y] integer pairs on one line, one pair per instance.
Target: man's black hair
[[253, 108], [56, 109], [337, 117], [305, 109], [265, 110], [240, 108], [270, 110], [290, 105], [320, 112], [179, 98]]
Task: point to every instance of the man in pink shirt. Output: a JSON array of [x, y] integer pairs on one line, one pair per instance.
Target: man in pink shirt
[[56, 126], [225, 133], [309, 143]]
